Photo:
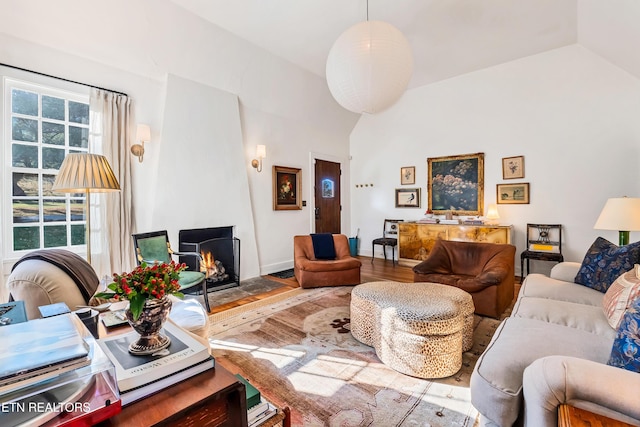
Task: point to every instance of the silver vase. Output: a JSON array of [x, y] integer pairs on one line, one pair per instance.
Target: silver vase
[[148, 325]]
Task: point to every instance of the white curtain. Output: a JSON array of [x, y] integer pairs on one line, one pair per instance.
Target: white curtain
[[112, 220]]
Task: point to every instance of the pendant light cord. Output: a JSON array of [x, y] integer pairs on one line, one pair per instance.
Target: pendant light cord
[[367, 10]]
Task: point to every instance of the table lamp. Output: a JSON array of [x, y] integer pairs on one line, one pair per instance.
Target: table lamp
[[492, 215], [86, 173], [622, 214]]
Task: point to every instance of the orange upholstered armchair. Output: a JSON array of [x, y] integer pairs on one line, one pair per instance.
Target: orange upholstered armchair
[[485, 270], [312, 272]]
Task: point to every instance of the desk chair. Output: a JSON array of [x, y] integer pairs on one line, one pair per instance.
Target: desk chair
[[544, 243], [154, 247], [389, 238]]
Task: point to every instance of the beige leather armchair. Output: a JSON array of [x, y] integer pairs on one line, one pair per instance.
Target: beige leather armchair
[[311, 272]]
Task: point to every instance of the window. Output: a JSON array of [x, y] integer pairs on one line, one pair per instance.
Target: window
[[43, 126]]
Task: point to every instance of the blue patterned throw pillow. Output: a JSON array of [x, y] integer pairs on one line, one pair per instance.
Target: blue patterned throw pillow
[[625, 353], [604, 262]]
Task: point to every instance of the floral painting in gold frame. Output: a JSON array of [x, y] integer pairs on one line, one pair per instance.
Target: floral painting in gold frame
[[287, 188], [456, 184]]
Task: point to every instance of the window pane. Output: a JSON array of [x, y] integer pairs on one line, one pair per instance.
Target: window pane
[[55, 236], [24, 102], [24, 156], [26, 238], [24, 129], [25, 211], [52, 158], [52, 108], [77, 234], [77, 210], [78, 113], [78, 137], [25, 184], [47, 185], [52, 133], [54, 210]]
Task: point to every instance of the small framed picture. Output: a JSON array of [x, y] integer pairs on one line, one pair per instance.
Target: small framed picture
[[407, 197], [287, 188], [408, 175], [512, 194], [513, 167]]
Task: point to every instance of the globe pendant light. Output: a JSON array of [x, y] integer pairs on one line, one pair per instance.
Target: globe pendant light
[[369, 67]]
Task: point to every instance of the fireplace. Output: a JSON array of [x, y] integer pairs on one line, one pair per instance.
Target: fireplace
[[220, 253]]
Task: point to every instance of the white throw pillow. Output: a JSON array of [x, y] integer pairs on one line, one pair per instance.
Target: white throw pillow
[[620, 295]]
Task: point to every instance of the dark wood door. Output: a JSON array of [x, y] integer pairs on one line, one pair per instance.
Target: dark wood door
[[327, 197]]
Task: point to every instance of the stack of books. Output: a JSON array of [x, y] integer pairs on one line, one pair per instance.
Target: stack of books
[[259, 409], [428, 221], [39, 350], [140, 376]]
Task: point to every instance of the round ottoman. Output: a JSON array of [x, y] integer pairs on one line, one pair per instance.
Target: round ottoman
[[419, 329]]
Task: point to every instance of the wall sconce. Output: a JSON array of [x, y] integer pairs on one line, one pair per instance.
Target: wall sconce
[[261, 153], [143, 133]]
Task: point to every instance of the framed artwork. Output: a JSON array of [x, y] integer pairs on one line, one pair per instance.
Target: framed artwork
[[513, 194], [456, 183], [407, 197], [513, 167], [287, 188], [408, 175]]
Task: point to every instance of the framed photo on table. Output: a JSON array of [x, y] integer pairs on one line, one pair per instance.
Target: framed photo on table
[[407, 197], [287, 188], [408, 175]]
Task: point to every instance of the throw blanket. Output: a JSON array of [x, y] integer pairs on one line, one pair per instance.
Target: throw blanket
[[323, 246], [74, 265]]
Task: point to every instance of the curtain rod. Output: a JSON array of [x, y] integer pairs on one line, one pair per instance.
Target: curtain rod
[[63, 79]]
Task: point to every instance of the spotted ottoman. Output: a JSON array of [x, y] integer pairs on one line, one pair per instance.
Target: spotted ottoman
[[419, 329]]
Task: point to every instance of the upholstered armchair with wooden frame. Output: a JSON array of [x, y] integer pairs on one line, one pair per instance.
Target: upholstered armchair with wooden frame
[[154, 248], [311, 272], [485, 270]]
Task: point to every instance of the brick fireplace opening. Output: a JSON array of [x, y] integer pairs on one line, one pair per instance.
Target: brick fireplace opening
[[220, 251]]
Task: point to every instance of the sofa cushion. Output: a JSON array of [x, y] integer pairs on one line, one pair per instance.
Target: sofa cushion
[[604, 262], [588, 318], [625, 352], [541, 286], [323, 247], [496, 382], [620, 296]]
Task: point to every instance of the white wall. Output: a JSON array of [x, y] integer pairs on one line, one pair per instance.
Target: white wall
[[280, 105], [571, 114]]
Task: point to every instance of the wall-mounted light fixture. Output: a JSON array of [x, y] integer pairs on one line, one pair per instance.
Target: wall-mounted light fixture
[[143, 134], [261, 153]]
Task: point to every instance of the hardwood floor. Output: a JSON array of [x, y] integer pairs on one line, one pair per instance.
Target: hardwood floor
[[379, 270]]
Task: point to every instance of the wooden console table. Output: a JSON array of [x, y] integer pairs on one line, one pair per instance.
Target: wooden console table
[[570, 416], [212, 398], [415, 240]]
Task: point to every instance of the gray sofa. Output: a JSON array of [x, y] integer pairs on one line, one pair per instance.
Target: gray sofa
[[553, 350]]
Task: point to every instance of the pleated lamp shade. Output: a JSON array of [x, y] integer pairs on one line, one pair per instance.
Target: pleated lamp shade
[[369, 67], [81, 172]]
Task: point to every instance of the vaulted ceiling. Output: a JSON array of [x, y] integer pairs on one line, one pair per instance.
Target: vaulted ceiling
[[448, 37]]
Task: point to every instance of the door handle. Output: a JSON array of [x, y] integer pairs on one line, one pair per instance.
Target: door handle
[[317, 212]]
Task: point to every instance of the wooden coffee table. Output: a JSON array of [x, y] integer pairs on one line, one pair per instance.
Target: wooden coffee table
[[570, 416]]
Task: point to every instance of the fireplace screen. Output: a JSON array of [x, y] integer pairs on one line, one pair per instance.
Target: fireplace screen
[[220, 253]]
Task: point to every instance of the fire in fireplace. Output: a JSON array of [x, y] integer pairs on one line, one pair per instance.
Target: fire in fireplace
[[220, 253]]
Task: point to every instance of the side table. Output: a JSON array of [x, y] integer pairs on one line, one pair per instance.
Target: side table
[[570, 416]]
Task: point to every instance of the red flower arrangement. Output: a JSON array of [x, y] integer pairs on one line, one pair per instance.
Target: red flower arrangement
[[145, 282]]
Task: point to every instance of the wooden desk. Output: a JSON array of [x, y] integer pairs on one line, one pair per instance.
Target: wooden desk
[[212, 398], [569, 416]]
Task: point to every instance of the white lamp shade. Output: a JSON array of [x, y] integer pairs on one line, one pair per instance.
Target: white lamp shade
[[261, 151], [143, 133], [81, 172], [369, 67], [621, 214], [492, 212]]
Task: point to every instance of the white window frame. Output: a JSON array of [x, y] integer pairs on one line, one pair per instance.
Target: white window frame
[[6, 218]]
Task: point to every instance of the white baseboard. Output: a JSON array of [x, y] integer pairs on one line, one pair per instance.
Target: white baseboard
[[273, 268]]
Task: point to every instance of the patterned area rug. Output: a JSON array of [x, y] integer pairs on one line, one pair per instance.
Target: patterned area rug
[[297, 349]]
